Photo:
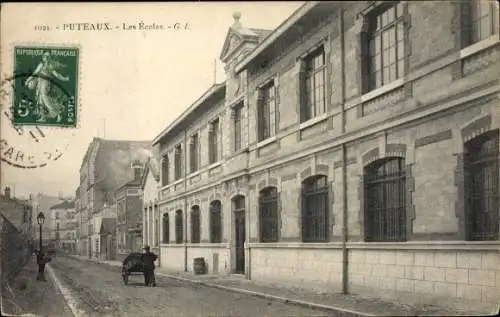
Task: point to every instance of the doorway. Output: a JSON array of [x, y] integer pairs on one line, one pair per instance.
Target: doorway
[[239, 224]]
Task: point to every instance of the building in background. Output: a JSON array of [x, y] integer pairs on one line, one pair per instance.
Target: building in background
[[346, 151], [64, 225], [151, 213], [19, 212], [42, 203], [107, 239], [105, 167], [129, 213]]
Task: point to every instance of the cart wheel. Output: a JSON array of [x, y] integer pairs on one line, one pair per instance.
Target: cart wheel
[[125, 279]]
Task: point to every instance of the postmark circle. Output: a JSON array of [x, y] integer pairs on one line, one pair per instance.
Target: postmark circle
[[33, 145]]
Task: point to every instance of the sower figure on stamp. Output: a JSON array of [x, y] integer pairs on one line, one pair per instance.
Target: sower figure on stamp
[[148, 259], [40, 81]]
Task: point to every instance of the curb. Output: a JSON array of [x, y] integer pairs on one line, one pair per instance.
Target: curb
[[345, 312]]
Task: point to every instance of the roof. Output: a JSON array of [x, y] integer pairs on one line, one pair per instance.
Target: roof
[[198, 103], [153, 168], [108, 225], [113, 162], [64, 205], [272, 36]]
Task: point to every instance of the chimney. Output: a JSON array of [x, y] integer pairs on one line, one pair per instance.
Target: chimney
[[137, 167], [236, 17], [7, 192]]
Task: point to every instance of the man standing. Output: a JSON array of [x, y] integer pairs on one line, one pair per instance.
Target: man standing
[[42, 259], [148, 259]]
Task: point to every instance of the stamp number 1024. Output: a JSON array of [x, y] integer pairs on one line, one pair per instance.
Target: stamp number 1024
[[45, 86]]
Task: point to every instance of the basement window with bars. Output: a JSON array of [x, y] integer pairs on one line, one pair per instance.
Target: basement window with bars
[[179, 227], [195, 224], [215, 221], [479, 21], [312, 82], [383, 46], [481, 173], [385, 215], [268, 212], [315, 209], [166, 229]]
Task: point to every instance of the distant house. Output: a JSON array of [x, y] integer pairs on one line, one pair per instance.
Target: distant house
[[105, 167], [129, 213], [151, 213], [64, 225]]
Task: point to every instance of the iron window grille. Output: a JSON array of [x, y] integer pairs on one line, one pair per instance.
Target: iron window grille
[[194, 155], [313, 94], [178, 162], [315, 209], [213, 142], [478, 21], [384, 45], [179, 227], [237, 127], [195, 224], [266, 102], [215, 222], [481, 187], [385, 218], [164, 170], [268, 206], [166, 229]]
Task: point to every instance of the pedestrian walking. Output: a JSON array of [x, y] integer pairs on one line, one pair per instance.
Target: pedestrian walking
[[148, 259], [42, 260]]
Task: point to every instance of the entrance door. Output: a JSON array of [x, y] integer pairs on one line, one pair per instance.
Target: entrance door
[[239, 217]]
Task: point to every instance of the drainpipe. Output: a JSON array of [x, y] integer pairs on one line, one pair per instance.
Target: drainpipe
[[185, 204], [345, 259]]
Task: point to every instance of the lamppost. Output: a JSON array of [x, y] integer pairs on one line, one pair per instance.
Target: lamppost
[[41, 267]]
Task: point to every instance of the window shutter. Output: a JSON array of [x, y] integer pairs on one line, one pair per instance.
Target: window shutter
[[260, 114], [367, 220], [302, 91], [279, 223], [364, 38], [465, 23], [210, 144], [276, 109], [218, 154]]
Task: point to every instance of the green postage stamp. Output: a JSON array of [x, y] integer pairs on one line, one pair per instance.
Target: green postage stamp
[[45, 86]]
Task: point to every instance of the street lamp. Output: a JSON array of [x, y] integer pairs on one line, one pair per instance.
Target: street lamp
[[41, 267]]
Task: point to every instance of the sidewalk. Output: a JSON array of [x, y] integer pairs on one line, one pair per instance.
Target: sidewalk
[[348, 305], [29, 297]]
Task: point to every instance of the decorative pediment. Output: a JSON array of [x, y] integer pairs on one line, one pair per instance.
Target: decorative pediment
[[233, 40]]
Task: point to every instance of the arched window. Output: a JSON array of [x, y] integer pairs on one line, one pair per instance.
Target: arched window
[[215, 222], [179, 227], [315, 209], [166, 229], [481, 187], [385, 200], [195, 224], [268, 213]]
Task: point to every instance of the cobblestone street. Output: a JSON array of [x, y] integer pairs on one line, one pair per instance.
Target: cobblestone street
[[99, 291]]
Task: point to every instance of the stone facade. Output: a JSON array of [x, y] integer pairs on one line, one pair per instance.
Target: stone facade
[[447, 95]]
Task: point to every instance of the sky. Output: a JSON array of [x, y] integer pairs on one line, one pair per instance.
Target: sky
[[132, 83]]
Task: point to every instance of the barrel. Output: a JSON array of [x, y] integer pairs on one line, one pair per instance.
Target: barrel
[[199, 265]]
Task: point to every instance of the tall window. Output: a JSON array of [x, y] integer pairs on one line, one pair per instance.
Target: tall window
[[385, 60], [265, 110], [166, 229], [268, 211], [57, 215], [195, 224], [179, 227], [164, 170], [313, 85], [479, 21], [215, 221], [237, 126], [315, 209], [481, 187], [194, 155], [385, 200], [178, 162], [213, 142]]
